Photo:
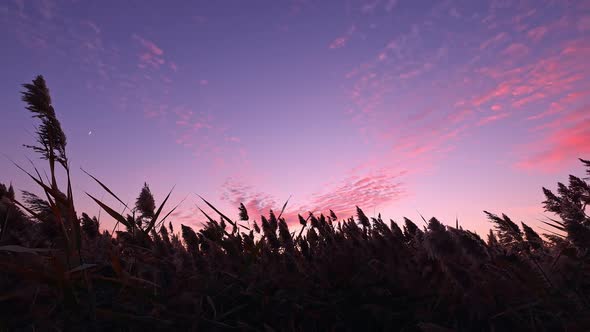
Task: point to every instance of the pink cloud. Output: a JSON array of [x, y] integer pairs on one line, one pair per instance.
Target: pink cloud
[[528, 99], [459, 115], [150, 59], [152, 56], [501, 90], [494, 40], [570, 140], [151, 46], [155, 111], [342, 40], [544, 78], [338, 42], [519, 18], [429, 141], [420, 116], [206, 137], [416, 72], [537, 33], [492, 118], [191, 121], [554, 108], [187, 216], [378, 87], [257, 203], [371, 190], [420, 150], [565, 116], [192, 129], [576, 47], [515, 50], [372, 84]]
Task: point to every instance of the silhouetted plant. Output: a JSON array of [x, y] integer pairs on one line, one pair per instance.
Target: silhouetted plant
[[90, 226], [145, 203]]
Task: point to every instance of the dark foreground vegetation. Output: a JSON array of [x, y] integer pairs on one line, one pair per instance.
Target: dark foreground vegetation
[[60, 272]]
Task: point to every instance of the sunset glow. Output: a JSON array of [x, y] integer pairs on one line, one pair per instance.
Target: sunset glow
[[404, 108]]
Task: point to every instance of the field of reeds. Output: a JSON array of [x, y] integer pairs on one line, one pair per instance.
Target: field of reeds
[[61, 272]]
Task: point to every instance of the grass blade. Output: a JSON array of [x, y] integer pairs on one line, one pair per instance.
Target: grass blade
[[112, 212], [169, 213], [554, 226], [105, 188], [155, 217], [54, 193], [221, 214], [284, 206], [206, 215]]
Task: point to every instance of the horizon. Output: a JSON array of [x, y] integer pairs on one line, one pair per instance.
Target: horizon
[[443, 110]]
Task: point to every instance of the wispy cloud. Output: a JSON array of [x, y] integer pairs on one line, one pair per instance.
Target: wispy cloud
[[206, 136], [492, 118], [257, 203], [536, 34], [341, 41], [562, 104], [546, 77], [515, 50], [498, 38], [43, 26], [372, 84], [187, 216], [152, 55], [367, 189], [149, 45], [568, 140], [370, 190], [508, 76]]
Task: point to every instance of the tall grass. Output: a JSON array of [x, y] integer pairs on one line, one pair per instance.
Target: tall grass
[[60, 272]]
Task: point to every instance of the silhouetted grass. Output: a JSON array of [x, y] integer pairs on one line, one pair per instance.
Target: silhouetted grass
[[59, 272]]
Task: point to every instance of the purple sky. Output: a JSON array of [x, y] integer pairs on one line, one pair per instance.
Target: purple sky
[[445, 108]]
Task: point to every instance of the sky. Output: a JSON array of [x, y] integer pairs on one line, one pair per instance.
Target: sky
[[404, 108]]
